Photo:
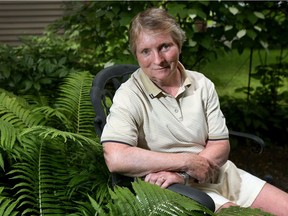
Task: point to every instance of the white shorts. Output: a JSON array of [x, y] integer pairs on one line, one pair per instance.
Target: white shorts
[[234, 185]]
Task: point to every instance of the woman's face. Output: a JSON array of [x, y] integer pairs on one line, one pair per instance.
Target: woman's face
[[158, 56]]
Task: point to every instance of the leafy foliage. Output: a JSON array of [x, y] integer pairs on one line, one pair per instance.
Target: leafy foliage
[[238, 211], [101, 28], [150, 200], [7, 204], [36, 67], [40, 177], [74, 102], [45, 151]]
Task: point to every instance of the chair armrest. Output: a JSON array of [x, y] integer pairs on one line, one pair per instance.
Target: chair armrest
[[260, 143], [197, 195]]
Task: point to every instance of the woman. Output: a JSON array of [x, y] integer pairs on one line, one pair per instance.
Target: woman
[[166, 125]]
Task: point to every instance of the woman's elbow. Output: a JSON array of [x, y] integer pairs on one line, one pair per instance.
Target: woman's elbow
[[110, 161], [113, 155]]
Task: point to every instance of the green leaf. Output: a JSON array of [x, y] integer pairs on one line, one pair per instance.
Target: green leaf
[[62, 61], [228, 27], [175, 8], [258, 28], [8, 135], [251, 18], [192, 43], [5, 71], [259, 15], [241, 33], [233, 10], [96, 206], [252, 34], [2, 164], [206, 42], [239, 211]]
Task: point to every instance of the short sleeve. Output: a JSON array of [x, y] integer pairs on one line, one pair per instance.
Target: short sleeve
[[217, 128], [121, 124]]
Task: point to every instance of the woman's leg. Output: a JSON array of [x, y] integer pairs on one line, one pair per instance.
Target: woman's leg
[[272, 200]]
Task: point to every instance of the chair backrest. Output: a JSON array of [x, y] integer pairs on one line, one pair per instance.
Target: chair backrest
[[104, 85]]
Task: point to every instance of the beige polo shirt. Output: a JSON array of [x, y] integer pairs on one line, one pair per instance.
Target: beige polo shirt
[[143, 115]]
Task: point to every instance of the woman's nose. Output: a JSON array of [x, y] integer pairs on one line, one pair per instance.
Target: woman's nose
[[158, 58]]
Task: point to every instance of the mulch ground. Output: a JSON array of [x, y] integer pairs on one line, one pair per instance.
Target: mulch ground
[[271, 165]]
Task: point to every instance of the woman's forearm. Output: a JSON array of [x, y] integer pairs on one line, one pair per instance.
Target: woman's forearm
[[137, 162]]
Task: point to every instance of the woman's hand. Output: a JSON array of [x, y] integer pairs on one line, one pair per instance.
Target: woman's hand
[[202, 170], [164, 178]]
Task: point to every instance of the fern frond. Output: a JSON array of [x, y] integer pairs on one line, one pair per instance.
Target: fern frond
[[97, 206], [13, 111], [8, 135], [240, 211], [37, 100], [87, 178], [83, 209], [7, 205], [51, 133], [75, 101], [54, 117], [152, 200], [41, 178], [8, 141], [2, 163]]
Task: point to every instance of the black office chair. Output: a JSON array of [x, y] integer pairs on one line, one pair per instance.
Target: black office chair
[[105, 83]]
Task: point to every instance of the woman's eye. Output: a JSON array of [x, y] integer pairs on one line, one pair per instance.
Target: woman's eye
[[145, 52], [165, 47]]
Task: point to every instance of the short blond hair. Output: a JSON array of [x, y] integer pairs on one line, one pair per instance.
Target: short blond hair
[[158, 20]]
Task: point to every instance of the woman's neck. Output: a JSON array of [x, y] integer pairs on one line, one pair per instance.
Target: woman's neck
[[173, 86]]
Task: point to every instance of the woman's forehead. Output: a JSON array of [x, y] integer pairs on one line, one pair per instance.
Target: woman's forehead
[[146, 38]]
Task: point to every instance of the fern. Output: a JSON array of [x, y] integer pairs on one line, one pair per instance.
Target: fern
[[41, 178], [75, 101], [13, 111], [8, 135], [239, 211], [54, 117], [7, 205], [149, 200], [52, 133], [52, 154]]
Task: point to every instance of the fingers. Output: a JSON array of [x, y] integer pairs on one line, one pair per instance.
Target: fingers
[[210, 176], [163, 178], [204, 170], [156, 179]]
